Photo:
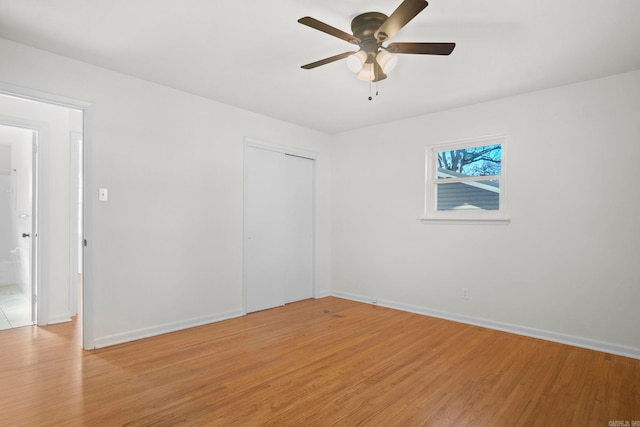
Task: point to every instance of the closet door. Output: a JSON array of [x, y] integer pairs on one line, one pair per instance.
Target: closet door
[[279, 228], [298, 230], [264, 224]]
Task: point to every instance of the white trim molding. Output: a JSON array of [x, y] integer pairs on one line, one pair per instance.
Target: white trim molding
[[47, 98], [252, 142], [58, 319], [323, 294], [164, 329], [494, 221], [606, 347]]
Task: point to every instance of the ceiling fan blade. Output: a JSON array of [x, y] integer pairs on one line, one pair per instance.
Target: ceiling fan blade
[[407, 10], [327, 60], [422, 48], [325, 28]]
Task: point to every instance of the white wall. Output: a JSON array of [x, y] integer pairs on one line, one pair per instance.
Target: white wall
[[567, 263], [18, 157], [5, 153], [167, 247], [21, 149]]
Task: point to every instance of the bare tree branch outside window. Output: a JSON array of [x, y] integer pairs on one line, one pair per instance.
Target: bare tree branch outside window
[[473, 161]]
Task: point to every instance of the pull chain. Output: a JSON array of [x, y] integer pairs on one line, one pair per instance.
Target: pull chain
[[373, 76], [370, 80]]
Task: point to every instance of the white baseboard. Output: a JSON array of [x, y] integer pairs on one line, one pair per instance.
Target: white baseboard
[[164, 329], [323, 294], [59, 319], [588, 343]]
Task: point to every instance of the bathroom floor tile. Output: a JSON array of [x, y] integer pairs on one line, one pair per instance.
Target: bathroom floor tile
[[14, 303], [15, 309], [20, 323]]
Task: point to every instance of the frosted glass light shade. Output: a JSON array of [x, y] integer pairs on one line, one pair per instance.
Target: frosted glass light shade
[[356, 61], [387, 61], [366, 74]]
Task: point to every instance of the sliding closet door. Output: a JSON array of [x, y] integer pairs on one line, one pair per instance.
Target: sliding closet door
[[279, 228], [298, 230], [264, 222]]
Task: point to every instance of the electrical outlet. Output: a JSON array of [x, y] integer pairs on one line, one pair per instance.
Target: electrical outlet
[[465, 293]]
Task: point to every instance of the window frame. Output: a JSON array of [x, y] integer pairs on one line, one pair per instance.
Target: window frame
[[431, 214]]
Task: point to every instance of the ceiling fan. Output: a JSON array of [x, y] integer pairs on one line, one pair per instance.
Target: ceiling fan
[[370, 30]]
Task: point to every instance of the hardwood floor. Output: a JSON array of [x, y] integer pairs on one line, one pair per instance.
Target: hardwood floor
[[316, 362]]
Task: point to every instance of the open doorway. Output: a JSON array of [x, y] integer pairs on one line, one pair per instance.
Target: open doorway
[[17, 226], [42, 213]]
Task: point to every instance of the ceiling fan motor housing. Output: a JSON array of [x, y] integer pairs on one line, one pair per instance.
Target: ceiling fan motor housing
[[364, 27]]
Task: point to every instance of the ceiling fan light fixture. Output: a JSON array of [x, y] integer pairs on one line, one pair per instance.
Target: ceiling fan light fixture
[[387, 61], [367, 74], [356, 61]]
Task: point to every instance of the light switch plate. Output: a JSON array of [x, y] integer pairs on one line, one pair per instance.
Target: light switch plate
[[103, 195]]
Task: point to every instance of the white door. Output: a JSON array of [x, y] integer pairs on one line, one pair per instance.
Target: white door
[[279, 224], [264, 210], [298, 230]]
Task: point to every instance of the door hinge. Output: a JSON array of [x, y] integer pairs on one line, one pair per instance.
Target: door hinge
[[84, 242], [35, 298], [35, 148]]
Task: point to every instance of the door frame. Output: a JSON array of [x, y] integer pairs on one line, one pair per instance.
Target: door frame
[[254, 143], [87, 108], [75, 253]]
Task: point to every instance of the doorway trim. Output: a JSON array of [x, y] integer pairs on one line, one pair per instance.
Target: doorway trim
[[254, 143], [75, 233], [87, 108]]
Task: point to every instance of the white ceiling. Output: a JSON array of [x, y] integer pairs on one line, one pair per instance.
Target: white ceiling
[[248, 54]]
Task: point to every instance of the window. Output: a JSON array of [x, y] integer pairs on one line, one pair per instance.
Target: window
[[466, 180]]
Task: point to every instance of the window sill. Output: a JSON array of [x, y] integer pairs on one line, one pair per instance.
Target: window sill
[[472, 221]]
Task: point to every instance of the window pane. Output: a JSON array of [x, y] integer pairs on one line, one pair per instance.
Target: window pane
[[472, 161], [475, 195]]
